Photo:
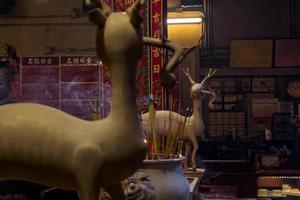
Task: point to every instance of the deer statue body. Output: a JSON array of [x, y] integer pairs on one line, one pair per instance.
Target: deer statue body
[[47, 146], [194, 126]]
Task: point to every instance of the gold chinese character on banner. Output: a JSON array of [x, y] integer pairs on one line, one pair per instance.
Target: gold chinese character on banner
[[156, 17], [156, 69], [156, 34], [156, 52]]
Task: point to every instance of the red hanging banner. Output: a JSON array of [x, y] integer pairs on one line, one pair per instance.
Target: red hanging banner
[[156, 54]]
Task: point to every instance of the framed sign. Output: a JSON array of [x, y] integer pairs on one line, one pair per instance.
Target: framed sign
[[270, 161], [287, 52], [251, 53], [263, 84]]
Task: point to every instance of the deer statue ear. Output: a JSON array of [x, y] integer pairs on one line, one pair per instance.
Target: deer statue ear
[[98, 11], [97, 17], [133, 12]]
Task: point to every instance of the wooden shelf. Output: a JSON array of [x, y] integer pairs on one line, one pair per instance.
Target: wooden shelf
[[278, 173], [274, 71]]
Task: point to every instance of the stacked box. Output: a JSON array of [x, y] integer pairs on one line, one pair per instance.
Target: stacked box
[[222, 123]]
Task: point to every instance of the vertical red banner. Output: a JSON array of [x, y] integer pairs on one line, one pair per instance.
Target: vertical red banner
[[156, 54]]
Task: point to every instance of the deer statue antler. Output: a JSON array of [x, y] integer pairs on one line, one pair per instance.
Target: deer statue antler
[[133, 12], [208, 75], [192, 82], [166, 75], [212, 99]]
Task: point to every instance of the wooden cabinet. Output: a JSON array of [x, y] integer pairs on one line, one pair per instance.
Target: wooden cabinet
[[258, 94]]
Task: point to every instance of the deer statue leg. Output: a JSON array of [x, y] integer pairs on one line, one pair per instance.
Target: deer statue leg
[[194, 140], [187, 153], [87, 165], [88, 193]]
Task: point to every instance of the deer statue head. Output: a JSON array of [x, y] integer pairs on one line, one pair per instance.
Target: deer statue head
[[115, 25], [200, 90]]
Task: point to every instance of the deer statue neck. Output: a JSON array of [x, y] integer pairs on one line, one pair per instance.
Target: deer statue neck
[[197, 115], [119, 46], [197, 107], [123, 90]]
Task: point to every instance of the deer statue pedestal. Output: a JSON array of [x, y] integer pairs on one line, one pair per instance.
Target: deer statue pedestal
[[167, 179]]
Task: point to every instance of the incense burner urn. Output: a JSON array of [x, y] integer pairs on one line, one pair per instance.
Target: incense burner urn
[[159, 179]]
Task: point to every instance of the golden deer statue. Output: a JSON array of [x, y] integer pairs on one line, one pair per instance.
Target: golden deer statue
[[44, 145]]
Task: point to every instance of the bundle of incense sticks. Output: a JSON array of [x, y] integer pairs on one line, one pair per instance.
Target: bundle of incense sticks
[[175, 134], [167, 144], [153, 139]]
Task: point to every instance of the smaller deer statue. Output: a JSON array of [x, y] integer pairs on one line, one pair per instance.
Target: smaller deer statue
[[194, 123]]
